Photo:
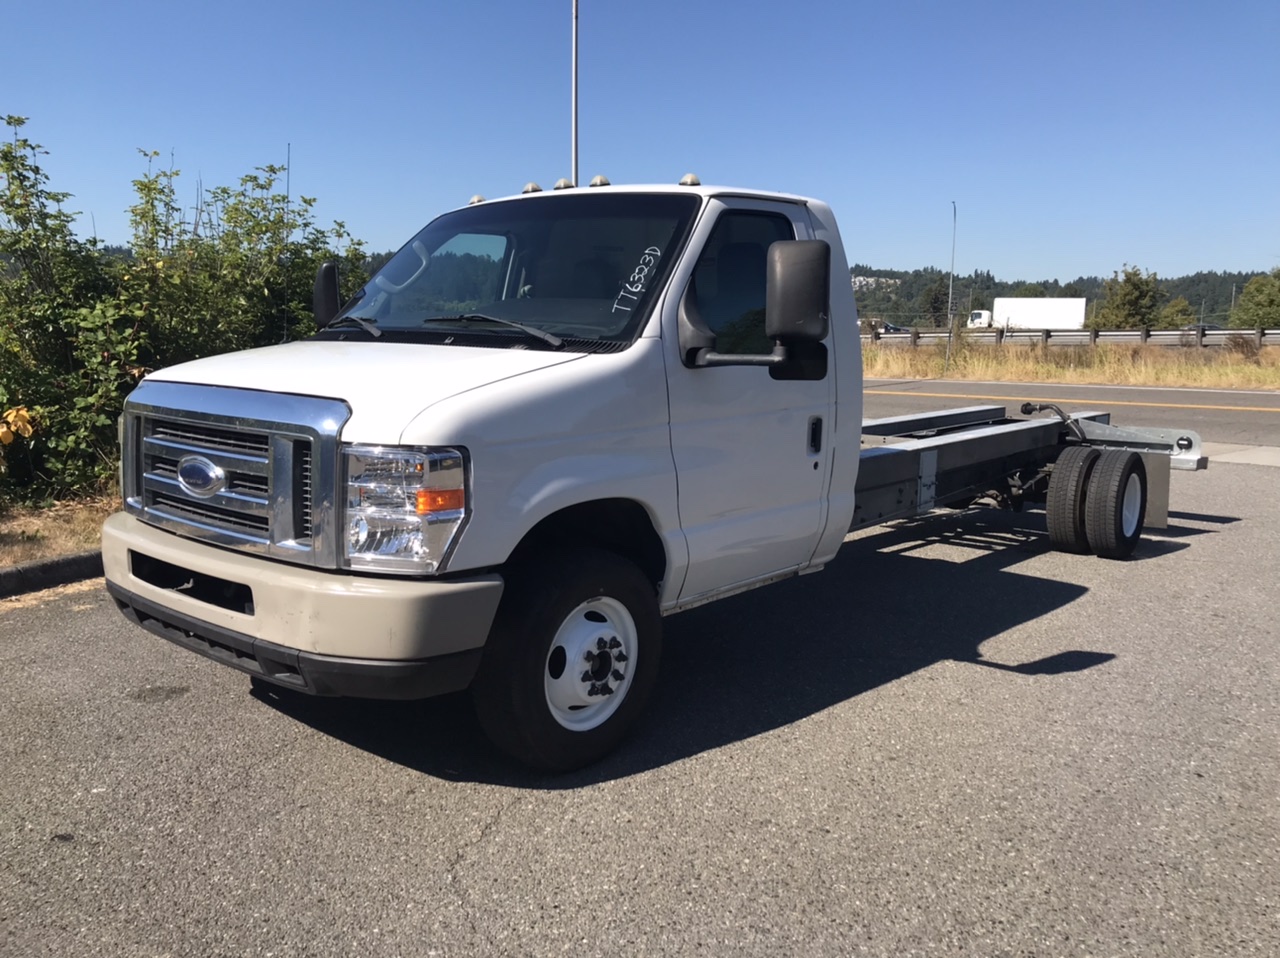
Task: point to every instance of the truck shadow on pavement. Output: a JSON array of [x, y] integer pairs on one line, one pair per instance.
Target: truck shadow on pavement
[[765, 659], [1180, 531]]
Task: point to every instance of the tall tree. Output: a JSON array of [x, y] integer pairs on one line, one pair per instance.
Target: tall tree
[[933, 301], [1259, 305], [1176, 314], [1132, 301]]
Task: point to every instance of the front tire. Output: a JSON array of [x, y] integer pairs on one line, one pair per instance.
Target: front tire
[[571, 659]]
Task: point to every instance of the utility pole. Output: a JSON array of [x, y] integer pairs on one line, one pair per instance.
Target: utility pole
[[951, 324], [573, 126]]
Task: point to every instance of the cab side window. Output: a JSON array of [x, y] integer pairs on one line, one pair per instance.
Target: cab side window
[[729, 279]]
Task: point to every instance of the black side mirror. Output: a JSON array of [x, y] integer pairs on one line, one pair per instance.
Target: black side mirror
[[324, 295], [797, 310], [798, 291]]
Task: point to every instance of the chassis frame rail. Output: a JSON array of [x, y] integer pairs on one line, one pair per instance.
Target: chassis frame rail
[[912, 464]]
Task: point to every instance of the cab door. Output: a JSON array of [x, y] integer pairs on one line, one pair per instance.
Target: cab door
[[750, 450]]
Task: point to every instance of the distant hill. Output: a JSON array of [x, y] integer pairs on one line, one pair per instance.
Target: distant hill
[[918, 297]]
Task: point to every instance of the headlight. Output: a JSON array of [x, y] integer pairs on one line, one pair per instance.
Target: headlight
[[404, 507]]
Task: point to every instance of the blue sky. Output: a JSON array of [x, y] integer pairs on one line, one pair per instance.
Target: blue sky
[[1074, 137]]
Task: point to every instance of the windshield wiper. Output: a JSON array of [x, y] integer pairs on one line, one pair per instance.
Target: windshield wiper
[[555, 342], [364, 324]]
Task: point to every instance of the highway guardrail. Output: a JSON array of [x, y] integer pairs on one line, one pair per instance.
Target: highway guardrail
[[1083, 337]]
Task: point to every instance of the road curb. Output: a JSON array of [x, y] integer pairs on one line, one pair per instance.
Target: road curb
[[46, 573]]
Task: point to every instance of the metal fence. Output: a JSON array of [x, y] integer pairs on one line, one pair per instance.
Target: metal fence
[[1082, 337]]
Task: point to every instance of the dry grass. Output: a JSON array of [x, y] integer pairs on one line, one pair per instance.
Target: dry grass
[[64, 528], [1240, 366]]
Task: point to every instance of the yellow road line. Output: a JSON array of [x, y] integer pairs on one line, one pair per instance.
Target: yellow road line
[[1074, 402]]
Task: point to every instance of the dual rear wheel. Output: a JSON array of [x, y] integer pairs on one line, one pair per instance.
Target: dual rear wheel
[[1097, 501]]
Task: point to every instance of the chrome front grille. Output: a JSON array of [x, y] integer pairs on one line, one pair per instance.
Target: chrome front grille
[[305, 487], [257, 527], [264, 485], [249, 462], [182, 435]]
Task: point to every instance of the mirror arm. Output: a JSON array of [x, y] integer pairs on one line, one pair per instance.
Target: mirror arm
[[697, 342], [708, 357]]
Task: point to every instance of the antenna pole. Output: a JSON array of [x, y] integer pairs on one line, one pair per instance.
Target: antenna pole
[[574, 124]]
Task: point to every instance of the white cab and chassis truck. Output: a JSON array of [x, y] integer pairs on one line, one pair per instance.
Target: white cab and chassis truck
[[547, 422]]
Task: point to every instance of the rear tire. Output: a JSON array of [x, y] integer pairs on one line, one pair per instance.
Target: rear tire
[[571, 658], [1116, 507], [1065, 503]]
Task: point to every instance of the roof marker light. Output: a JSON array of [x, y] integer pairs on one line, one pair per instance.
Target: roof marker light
[[531, 188], [690, 179], [600, 181], [476, 199], [563, 184]]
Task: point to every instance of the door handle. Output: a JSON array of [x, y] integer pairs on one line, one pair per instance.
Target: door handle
[[815, 434]]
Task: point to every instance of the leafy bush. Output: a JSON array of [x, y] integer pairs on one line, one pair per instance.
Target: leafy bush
[[13, 423], [80, 325]]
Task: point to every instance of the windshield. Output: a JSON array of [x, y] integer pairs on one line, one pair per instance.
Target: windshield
[[581, 266]]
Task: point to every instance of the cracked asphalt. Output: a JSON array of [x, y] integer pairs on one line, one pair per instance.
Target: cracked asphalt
[[952, 742]]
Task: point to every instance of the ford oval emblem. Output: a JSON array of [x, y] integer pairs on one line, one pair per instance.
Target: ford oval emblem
[[199, 477]]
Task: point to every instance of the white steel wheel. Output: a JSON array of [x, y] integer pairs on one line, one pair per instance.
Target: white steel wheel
[[571, 658], [1132, 507], [590, 664]]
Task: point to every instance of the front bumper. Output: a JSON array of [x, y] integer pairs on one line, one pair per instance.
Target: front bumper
[[326, 633]]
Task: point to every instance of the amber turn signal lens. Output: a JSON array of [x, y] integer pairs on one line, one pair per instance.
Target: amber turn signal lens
[[440, 500]]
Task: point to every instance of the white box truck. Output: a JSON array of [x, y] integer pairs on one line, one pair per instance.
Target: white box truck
[[549, 421], [1015, 312]]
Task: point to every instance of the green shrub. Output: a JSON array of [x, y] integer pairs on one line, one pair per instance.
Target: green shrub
[[79, 327]]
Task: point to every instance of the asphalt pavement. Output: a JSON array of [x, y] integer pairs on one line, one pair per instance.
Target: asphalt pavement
[[952, 742]]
